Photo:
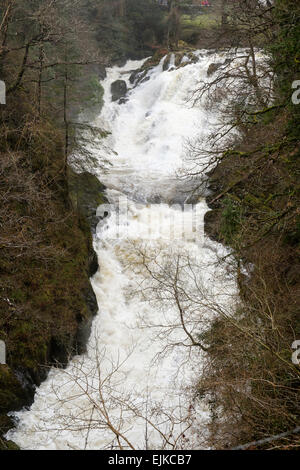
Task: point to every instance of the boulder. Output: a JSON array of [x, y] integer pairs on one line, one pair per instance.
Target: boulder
[[118, 90], [133, 76]]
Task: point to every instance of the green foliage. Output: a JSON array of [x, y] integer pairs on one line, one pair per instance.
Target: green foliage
[[292, 236], [128, 35], [285, 50], [258, 388], [96, 91], [230, 220]]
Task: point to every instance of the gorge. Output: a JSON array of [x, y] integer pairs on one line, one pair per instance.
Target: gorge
[[149, 225], [123, 364]]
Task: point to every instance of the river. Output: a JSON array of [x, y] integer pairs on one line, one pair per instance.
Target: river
[[135, 386]]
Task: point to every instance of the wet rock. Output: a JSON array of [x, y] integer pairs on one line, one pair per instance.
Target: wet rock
[[213, 68], [83, 334], [118, 90], [86, 193], [85, 324], [133, 76], [93, 264], [178, 58], [146, 79], [140, 77], [166, 62]]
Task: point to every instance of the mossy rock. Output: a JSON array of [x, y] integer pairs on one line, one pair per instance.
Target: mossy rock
[[155, 59], [167, 61], [10, 391], [86, 193]]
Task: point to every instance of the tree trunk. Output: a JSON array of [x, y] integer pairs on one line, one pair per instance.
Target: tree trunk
[[224, 20], [66, 123], [21, 72], [40, 77], [3, 31], [122, 8]]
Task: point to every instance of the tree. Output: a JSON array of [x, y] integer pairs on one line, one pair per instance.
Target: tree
[[128, 29], [244, 366]]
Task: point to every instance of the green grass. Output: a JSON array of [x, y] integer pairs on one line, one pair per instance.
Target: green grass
[[207, 21], [192, 25]]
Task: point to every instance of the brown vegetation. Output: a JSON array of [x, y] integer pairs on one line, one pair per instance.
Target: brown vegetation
[[253, 386], [46, 299]]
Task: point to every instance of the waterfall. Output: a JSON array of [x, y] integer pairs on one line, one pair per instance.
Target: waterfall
[[134, 385]]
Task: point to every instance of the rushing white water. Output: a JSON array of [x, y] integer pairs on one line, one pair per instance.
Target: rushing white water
[[132, 387]]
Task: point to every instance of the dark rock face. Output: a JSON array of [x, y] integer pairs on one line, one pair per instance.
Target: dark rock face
[[166, 62], [140, 76], [123, 101], [85, 324], [133, 76], [93, 264], [118, 90], [86, 193]]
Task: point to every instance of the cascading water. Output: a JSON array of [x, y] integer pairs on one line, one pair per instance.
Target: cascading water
[[132, 389]]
